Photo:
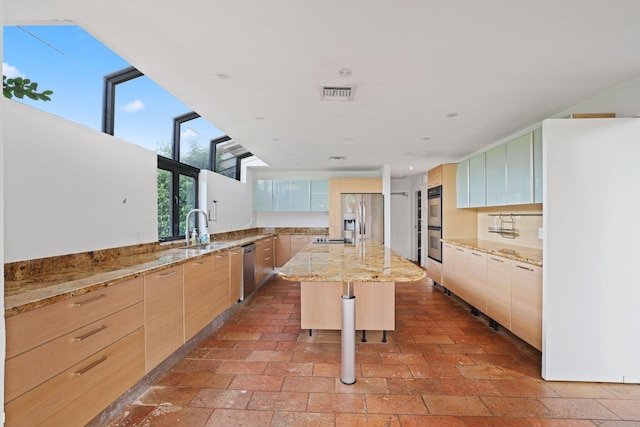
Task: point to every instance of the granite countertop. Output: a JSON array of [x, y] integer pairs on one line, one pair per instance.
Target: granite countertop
[[518, 253], [369, 261], [62, 283]]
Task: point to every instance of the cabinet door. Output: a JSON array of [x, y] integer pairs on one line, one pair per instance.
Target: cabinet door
[[496, 164], [519, 171], [462, 273], [434, 270], [499, 290], [163, 314], [220, 282], [262, 195], [198, 295], [526, 302], [434, 177], [449, 267], [235, 276], [478, 280], [320, 195], [298, 241], [299, 195], [281, 195], [462, 184], [477, 181], [283, 249], [537, 165]]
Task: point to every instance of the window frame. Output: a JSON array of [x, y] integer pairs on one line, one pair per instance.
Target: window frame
[[177, 169]]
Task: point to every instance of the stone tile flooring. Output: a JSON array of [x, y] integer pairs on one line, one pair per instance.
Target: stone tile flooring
[[442, 366]]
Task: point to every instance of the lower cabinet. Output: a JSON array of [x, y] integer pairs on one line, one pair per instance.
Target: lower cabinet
[[507, 291], [220, 287], [282, 244], [163, 314], [235, 276], [264, 259], [434, 270], [298, 241], [526, 302], [499, 290], [198, 295], [68, 361]]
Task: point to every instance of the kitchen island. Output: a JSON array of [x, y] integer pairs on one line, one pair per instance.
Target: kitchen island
[[348, 287]]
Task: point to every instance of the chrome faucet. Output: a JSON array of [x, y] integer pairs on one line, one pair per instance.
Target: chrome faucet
[[186, 232]]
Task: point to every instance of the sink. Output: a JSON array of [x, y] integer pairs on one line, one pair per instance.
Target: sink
[[206, 246]]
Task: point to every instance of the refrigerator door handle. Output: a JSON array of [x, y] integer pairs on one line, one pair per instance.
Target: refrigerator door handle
[[364, 220]]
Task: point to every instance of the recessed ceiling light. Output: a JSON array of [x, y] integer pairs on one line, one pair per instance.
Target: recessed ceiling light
[[222, 76], [410, 168], [344, 72], [452, 115]]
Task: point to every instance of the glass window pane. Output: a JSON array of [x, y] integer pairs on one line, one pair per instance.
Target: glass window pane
[[187, 200], [165, 180], [195, 142]]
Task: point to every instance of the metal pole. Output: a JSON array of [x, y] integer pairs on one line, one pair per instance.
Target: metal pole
[[348, 369]]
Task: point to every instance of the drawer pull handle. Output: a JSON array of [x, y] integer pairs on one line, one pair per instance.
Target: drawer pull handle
[[267, 249], [221, 256], [87, 301], [88, 334], [169, 274], [90, 367], [473, 253], [199, 263], [524, 268], [458, 249], [267, 258], [496, 259]]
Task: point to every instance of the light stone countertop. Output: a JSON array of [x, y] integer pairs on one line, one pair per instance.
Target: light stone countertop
[[369, 261], [519, 253]]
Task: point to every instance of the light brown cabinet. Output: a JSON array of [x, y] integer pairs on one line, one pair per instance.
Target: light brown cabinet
[[198, 295], [220, 283], [434, 177], [264, 260], [235, 276], [282, 244], [462, 272], [298, 241], [526, 302], [434, 270], [71, 359], [163, 320], [478, 280], [449, 267], [499, 290]]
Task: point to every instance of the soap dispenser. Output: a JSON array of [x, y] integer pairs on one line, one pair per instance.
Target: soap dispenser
[[194, 236], [204, 236]]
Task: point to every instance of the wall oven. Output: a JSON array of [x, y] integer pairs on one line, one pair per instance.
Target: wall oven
[[434, 223]]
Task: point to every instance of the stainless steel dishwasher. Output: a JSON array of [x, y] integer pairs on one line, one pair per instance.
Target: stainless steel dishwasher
[[248, 269]]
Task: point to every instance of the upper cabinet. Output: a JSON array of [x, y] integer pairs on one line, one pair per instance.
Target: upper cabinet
[[477, 181], [262, 195], [537, 165], [509, 174], [290, 195], [320, 195], [434, 177], [519, 170]]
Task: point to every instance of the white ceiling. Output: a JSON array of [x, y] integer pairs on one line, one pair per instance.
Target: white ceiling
[[502, 65]]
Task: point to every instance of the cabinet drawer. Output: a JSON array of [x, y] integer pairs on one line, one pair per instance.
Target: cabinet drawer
[[36, 366], [77, 395], [33, 328], [198, 295]]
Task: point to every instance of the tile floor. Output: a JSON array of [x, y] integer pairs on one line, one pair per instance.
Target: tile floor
[[442, 366]]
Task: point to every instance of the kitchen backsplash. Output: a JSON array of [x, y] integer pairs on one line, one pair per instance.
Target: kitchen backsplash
[[526, 226]]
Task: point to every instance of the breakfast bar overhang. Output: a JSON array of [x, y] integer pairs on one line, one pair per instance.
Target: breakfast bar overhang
[[349, 287]]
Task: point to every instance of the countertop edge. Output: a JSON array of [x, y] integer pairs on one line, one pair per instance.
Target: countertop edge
[[502, 254]]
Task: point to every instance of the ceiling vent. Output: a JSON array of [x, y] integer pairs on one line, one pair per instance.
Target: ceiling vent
[[337, 93]]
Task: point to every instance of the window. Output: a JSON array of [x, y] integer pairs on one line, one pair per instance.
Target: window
[[177, 195]]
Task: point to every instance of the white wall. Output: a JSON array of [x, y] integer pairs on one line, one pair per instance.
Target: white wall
[[590, 294], [234, 202], [72, 189]]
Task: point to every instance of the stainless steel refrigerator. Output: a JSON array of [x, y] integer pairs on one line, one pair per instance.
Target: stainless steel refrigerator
[[362, 216]]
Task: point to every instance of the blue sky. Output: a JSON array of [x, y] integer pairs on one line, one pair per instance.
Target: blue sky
[[69, 61]]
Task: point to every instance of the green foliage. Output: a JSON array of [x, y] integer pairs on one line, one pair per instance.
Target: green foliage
[[20, 88]]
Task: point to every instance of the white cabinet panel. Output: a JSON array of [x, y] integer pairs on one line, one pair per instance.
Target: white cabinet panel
[[477, 181], [496, 164], [320, 195], [462, 184], [299, 195], [262, 195], [519, 170], [537, 166]]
